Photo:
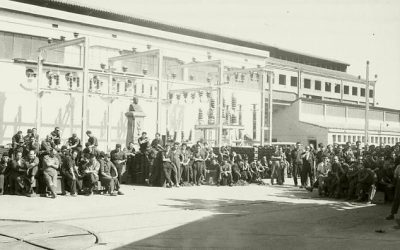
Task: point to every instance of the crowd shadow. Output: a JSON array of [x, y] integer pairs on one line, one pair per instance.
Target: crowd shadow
[[251, 224]]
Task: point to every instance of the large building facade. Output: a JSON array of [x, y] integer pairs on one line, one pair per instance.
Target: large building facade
[[78, 67]]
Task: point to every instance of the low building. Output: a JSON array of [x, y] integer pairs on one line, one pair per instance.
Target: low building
[[78, 67]]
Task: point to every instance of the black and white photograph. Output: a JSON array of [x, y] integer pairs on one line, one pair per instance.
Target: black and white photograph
[[199, 124]]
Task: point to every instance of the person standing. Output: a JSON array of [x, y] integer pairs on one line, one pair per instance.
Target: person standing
[[297, 162], [308, 163], [396, 198]]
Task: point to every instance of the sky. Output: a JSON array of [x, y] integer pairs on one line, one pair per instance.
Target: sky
[[351, 31]]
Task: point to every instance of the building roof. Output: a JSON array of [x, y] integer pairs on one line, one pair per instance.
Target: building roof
[[109, 12], [315, 70]]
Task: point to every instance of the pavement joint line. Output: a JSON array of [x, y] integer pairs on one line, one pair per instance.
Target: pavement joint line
[[26, 241]]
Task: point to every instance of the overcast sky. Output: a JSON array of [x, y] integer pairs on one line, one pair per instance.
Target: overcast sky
[[352, 31]]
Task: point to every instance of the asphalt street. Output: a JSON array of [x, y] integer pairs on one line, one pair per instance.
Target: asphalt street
[[205, 217]]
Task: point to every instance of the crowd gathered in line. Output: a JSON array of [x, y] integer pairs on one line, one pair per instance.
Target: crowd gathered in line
[[349, 171]]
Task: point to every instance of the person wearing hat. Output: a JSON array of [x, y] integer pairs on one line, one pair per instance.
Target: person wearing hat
[[74, 142], [118, 158], [108, 175]]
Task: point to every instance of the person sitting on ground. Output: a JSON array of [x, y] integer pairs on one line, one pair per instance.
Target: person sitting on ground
[[56, 135], [47, 145], [17, 141], [50, 166], [118, 158], [68, 171], [225, 172], [91, 174], [17, 174], [365, 183], [323, 170], [4, 172], [351, 175], [92, 142], [74, 142], [396, 198], [167, 166], [32, 166], [109, 175]]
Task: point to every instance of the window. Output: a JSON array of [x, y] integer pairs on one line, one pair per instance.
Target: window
[[354, 91], [293, 81], [282, 79], [363, 139], [339, 138], [307, 83], [392, 140], [334, 138], [346, 90], [354, 138], [337, 88], [328, 87], [371, 93], [349, 138], [317, 85], [362, 92]]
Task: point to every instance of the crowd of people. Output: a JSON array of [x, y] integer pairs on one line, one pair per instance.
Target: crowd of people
[[349, 171]]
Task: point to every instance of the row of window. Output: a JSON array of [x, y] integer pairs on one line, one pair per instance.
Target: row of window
[[338, 138], [328, 86]]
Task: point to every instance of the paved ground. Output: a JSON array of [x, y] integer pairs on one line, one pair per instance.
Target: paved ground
[[243, 217]]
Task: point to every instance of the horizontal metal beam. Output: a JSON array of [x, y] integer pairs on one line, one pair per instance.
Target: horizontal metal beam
[[63, 44], [191, 89], [134, 55], [197, 64]]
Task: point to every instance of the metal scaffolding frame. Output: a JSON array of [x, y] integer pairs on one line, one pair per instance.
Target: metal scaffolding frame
[[219, 86]]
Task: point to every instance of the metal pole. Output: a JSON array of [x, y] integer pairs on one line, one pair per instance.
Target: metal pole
[[85, 84], [262, 108], [367, 105], [109, 103], [159, 75], [270, 108], [220, 96], [38, 76]]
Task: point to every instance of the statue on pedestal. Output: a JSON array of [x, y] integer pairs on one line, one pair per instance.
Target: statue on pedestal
[[135, 117]]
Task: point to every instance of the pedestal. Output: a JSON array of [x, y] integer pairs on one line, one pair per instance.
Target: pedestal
[[135, 126]]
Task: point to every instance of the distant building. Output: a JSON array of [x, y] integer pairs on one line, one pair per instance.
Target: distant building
[[191, 84]]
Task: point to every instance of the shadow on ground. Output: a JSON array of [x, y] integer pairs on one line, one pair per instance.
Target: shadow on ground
[[288, 219]]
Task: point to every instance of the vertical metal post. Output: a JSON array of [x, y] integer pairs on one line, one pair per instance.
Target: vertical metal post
[[262, 107], [159, 76], [367, 105], [270, 108], [109, 103], [220, 107], [85, 84], [38, 101]]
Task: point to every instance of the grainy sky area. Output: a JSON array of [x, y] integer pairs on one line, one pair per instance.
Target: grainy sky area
[[352, 31]]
